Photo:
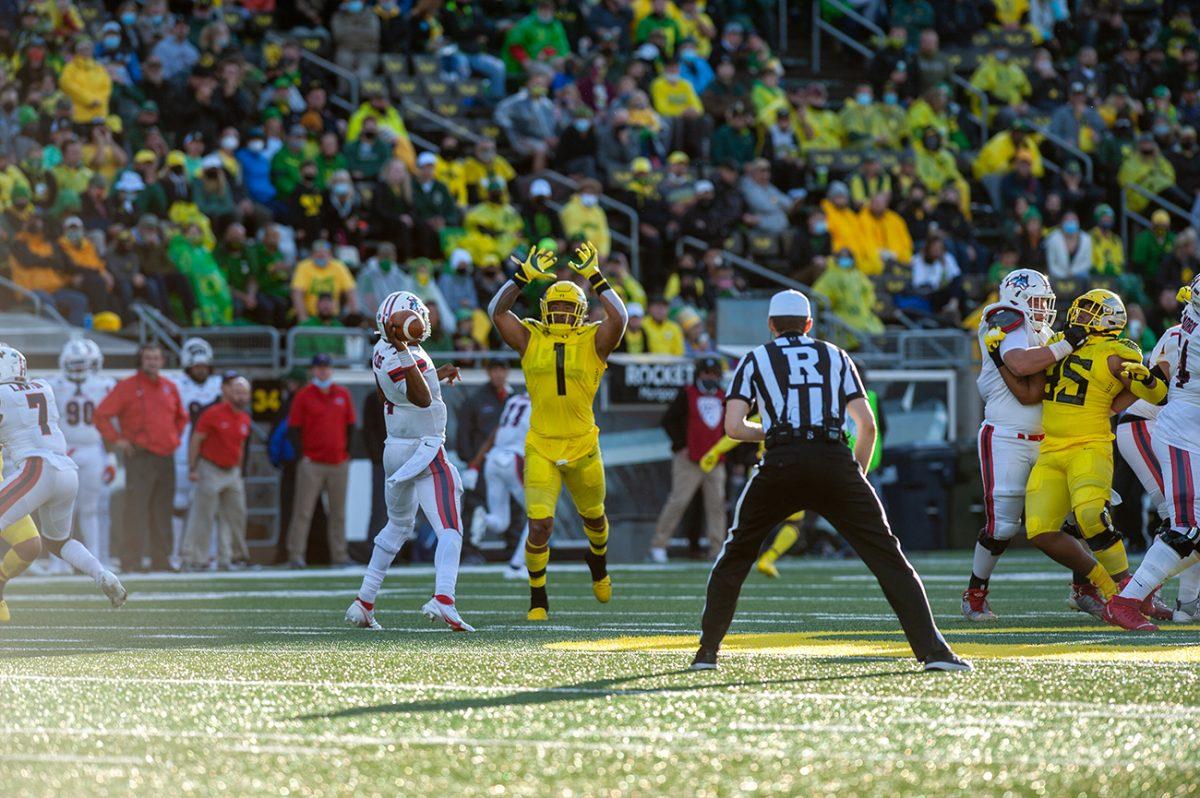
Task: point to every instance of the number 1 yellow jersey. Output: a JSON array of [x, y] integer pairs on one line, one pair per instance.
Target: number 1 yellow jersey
[[562, 375], [1079, 393]]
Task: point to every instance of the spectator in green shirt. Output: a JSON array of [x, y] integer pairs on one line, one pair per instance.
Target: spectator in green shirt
[[434, 208], [733, 142], [365, 157], [329, 158], [285, 166], [247, 270], [214, 303], [538, 37], [308, 344], [1152, 245], [658, 19]]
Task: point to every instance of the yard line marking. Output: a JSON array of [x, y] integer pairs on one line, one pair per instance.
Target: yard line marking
[[77, 759]]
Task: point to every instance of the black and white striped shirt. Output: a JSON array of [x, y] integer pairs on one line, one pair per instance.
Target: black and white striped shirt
[[797, 382]]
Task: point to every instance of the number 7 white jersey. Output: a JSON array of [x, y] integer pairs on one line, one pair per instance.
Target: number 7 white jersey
[[29, 426], [77, 403]]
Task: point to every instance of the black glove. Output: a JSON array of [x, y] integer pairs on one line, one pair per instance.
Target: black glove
[[1075, 335]]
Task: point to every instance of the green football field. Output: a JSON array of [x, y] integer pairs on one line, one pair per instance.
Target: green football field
[[250, 685]]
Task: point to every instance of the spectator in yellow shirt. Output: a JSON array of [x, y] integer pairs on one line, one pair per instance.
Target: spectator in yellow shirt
[[675, 99], [318, 274], [663, 336], [840, 217], [483, 165], [884, 236], [1001, 80], [1001, 151], [819, 128], [932, 110], [87, 83], [1108, 251], [584, 220]]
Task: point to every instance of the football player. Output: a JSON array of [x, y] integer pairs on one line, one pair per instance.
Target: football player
[[1074, 469], [1175, 445], [1013, 334], [198, 388], [502, 457], [563, 358], [79, 389], [418, 473], [39, 476]]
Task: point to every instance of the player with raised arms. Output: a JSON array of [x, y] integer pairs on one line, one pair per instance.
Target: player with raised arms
[[563, 358]]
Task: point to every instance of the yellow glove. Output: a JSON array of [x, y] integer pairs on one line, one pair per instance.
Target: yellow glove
[[536, 266], [710, 460], [1136, 372], [993, 337], [1184, 295], [1143, 384], [586, 261]]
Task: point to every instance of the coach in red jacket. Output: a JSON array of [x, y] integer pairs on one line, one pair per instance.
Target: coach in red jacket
[[320, 423], [150, 419], [694, 421]]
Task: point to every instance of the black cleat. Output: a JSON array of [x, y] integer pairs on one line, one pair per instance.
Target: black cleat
[[947, 662], [706, 660]]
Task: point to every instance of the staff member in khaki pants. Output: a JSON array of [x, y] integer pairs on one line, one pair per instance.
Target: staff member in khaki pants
[[320, 424], [215, 453], [695, 422]]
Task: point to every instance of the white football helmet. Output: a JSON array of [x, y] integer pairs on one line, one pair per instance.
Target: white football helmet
[[75, 359], [195, 352], [401, 300], [12, 365], [95, 356], [1030, 290]]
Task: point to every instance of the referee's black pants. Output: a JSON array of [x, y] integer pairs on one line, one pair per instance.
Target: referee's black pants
[[821, 476]]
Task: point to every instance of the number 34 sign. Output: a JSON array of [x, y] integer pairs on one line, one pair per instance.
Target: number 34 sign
[[266, 399]]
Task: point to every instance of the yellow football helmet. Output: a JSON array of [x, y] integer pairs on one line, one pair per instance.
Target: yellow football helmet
[[564, 291], [1099, 312]]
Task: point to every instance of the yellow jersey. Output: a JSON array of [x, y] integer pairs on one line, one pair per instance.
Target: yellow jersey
[[562, 375], [1079, 393]]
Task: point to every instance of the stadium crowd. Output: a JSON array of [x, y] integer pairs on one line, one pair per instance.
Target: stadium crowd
[[186, 155]]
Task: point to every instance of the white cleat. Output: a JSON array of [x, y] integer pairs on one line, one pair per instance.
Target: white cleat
[[112, 587], [657, 556], [363, 618], [516, 572], [1186, 612], [441, 608]]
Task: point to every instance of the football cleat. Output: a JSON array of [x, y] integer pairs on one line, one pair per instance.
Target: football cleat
[[112, 587], [949, 663], [1086, 598], [975, 605], [1186, 611], [603, 589], [516, 572], [362, 616], [1154, 607], [442, 608], [5, 615], [657, 556], [537, 614], [767, 568], [1126, 613], [705, 660]]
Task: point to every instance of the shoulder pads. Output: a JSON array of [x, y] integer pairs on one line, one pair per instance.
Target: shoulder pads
[[1006, 319]]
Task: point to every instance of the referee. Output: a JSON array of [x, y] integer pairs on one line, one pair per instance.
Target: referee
[[804, 389]]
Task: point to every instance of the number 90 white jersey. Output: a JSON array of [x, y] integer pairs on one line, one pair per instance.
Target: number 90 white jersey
[[77, 403], [29, 426]]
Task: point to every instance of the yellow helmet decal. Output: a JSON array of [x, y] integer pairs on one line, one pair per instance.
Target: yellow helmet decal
[[564, 291]]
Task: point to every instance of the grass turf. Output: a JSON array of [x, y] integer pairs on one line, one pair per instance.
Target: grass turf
[[249, 685]]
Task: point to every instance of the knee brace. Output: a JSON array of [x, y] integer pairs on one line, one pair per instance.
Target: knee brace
[[993, 544], [1069, 527], [1095, 522], [1183, 543]]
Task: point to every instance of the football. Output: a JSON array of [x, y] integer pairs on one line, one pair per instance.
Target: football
[[405, 327]]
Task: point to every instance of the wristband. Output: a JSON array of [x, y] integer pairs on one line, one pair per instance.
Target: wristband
[[520, 279], [1060, 349], [405, 358], [598, 283]]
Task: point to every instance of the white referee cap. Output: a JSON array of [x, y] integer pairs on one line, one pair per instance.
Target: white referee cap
[[789, 303]]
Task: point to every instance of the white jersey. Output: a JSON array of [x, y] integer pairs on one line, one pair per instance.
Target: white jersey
[[195, 396], [513, 425], [1001, 409], [1180, 419], [1166, 349], [29, 426], [77, 403], [403, 419]]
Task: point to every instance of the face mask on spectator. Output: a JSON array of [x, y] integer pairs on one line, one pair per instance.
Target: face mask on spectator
[[545, 17], [255, 145], [1070, 228], [128, 18], [673, 77], [341, 189], [863, 98], [322, 384], [229, 143], [820, 227], [1162, 131], [1106, 222], [354, 6], [74, 235], [846, 262], [320, 258], [112, 42], [891, 98], [589, 200], [582, 125]]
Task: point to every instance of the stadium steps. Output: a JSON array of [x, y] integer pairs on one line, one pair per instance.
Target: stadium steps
[[41, 340]]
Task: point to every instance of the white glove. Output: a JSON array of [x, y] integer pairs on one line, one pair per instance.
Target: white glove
[[470, 478], [426, 450]]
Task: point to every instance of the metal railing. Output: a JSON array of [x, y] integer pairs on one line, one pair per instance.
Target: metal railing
[[443, 123], [245, 346], [1128, 215], [984, 106], [154, 327], [1063, 144], [40, 308], [347, 347], [346, 75]]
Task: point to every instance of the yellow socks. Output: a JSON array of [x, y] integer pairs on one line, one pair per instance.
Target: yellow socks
[[536, 560], [1113, 558], [1099, 577], [597, 539], [785, 538]]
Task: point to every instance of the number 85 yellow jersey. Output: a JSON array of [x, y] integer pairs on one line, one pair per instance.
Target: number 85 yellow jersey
[[562, 375], [1079, 393]]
